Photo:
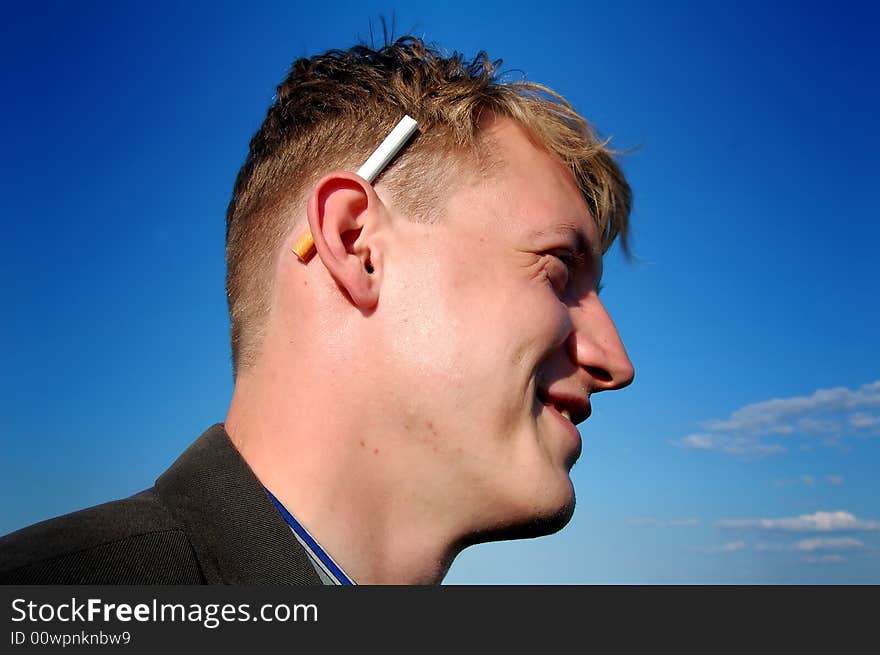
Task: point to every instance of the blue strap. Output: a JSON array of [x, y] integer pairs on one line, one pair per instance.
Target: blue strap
[[317, 551]]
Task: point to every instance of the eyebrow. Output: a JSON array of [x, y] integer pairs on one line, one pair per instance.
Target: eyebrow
[[582, 243]]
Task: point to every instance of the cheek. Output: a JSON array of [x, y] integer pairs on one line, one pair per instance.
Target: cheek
[[513, 316], [465, 328], [426, 319]]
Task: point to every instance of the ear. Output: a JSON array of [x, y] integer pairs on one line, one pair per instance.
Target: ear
[[344, 211]]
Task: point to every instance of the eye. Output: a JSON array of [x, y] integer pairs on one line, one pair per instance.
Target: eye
[[568, 265], [566, 257], [560, 268]]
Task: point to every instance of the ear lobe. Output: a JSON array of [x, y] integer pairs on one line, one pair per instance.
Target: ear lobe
[[343, 210]]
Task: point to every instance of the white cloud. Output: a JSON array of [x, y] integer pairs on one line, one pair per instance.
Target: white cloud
[[774, 416], [698, 441], [727, 444], [811, 425], [655, 523], [818, 522], [862, 421], [826, 414], [817, 548], [812, 545], [836, 480], [808, 480], [825, 543], [729, 547], [747, 448]]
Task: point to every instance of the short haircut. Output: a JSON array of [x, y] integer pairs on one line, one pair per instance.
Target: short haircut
[[333, 109]]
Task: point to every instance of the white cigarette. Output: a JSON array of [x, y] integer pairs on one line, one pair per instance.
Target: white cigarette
[[305, 245], [387, 149]]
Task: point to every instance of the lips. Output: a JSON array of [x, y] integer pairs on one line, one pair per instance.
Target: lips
[[561, 412], [574, 408]]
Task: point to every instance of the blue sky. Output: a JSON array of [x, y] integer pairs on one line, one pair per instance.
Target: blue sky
[[747, 449]]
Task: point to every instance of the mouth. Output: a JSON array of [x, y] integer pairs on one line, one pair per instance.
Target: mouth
[[574, 409], [566, 416]]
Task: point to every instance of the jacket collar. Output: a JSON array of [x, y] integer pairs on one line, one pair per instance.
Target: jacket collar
[[237, 533]]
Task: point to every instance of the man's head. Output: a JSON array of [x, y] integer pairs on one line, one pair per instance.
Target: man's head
[[448, 335], [333, 109]]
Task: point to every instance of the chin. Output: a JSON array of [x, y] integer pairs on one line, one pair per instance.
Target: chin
[[538, 517], [553, 517]]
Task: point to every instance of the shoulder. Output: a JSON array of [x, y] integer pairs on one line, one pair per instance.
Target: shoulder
[[131, 541], [208, 519]]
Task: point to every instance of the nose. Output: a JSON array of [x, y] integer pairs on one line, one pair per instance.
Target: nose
[[597, 346]]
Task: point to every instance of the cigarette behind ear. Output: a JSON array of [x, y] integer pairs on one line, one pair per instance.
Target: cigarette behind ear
[[304, 247]]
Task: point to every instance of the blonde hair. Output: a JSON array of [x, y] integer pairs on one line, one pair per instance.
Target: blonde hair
[[333, 109]]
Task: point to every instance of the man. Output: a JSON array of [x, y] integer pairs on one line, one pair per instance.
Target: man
[[412, 387]]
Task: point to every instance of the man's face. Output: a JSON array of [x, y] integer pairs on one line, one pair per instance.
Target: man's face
[[496, 338]]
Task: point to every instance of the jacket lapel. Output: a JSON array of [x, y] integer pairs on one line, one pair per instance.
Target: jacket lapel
[[237, 533]]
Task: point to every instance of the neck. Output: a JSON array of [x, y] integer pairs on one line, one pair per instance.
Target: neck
[[344, 477]]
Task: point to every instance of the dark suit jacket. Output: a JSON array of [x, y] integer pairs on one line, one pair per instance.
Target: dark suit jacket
[[207, 520]]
